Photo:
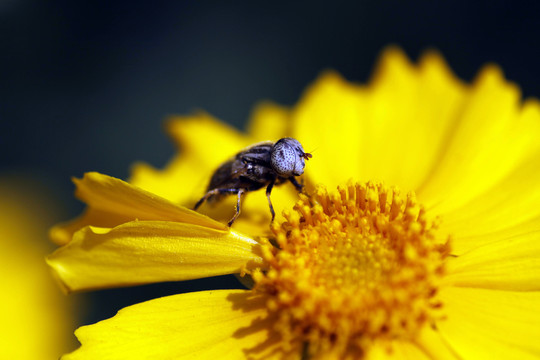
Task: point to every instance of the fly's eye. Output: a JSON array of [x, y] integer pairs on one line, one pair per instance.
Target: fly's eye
[[287, 158]]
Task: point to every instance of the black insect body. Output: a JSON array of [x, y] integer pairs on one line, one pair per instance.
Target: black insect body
[[263, 164]]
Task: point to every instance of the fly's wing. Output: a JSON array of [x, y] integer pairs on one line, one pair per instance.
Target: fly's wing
[[259, 145], [226, 175], [249, 163]]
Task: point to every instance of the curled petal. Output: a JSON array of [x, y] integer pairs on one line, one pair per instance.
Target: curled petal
[[112, 201], [141, 252]]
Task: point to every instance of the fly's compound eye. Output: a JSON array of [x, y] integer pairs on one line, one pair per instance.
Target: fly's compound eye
[[287, 158]]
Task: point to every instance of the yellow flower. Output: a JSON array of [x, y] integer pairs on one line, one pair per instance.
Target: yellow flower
[[35, 316], [431, 251]]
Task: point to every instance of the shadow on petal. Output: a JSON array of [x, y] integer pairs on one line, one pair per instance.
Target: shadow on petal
[[272, 345]]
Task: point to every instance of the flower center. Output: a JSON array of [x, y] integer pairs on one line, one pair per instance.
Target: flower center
[[353, 266]]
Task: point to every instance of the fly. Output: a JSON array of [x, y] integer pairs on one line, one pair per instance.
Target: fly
[[263, 164]]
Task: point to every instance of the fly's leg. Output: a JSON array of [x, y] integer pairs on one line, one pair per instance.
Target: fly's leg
[[298, 186], [268, 192], [238, 203], [239, 192], [212, 193]]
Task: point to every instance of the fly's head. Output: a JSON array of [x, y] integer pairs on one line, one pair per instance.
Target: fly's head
[[288, 158]]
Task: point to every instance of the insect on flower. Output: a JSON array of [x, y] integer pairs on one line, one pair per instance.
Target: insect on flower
[[262, 164]]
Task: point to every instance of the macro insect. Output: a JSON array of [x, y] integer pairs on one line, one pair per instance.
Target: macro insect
[[262, 164]]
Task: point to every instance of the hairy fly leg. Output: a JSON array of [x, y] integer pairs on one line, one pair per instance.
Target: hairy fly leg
[[212, 193], [238, 206], [268, 192]]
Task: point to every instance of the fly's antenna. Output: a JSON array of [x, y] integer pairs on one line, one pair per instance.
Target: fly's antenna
[[312, 152]]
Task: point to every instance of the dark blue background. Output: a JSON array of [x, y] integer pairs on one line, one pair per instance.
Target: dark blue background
[[86, 85]]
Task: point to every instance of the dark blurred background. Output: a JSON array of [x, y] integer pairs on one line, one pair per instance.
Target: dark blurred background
[[86, 85]]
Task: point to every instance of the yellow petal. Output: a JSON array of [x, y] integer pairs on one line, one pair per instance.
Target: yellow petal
[[116, 196], [208, 138], [269, 121], [396, 350], [509, 264], [113, 201], [142, 252], [493, 137], [411, 110], [489, 324], [331, 107], [62, 233], [204, 144], [224, 324], [510, 208], [183, 181], [432, 344], [384, 132], [463, 244]]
